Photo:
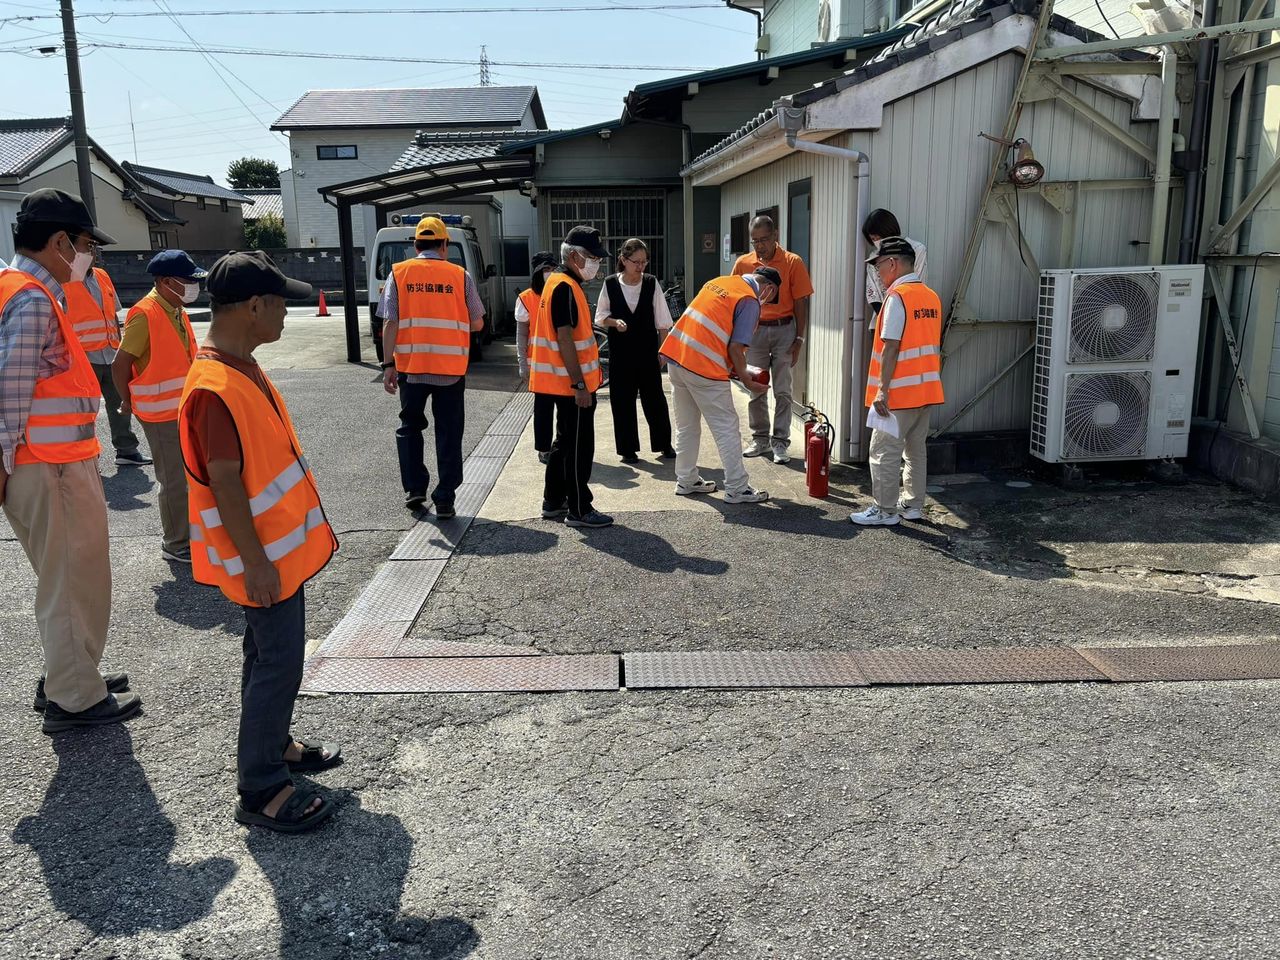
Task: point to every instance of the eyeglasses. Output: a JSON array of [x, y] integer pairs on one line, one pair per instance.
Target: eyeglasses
[[762, 243], [637, 263]]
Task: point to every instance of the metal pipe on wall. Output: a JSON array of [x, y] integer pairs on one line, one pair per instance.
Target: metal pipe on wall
[[858, 309], [1197, 141], [1164, 156]]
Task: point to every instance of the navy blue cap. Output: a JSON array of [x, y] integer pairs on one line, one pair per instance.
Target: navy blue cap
[[543, 258], [175, 263]]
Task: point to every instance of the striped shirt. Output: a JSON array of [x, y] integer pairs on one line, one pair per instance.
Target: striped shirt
[[31, 348], [389, 309]]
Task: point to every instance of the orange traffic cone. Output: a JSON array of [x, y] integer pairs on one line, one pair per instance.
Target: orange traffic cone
[[322, 310]]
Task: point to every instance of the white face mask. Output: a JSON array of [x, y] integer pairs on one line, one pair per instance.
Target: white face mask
[[590, 268], [190, 292], [80, 265]]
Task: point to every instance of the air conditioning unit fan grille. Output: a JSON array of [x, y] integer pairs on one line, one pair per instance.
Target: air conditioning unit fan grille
[[1040, 378], [1113, 317], [1105, 415]]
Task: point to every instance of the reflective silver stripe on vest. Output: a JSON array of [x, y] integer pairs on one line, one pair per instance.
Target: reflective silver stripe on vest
[[271, 494], [197, 532], [157, 406], [152, 389], [55, 406], [559, 371], [448, 350], [90, 325], [720, 361], [436, 323], [913, 381], [703, 320], [912, 354], [276, 549], [555, 344], [46, 435]]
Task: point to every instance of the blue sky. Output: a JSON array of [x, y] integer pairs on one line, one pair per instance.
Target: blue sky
[[187, 118]]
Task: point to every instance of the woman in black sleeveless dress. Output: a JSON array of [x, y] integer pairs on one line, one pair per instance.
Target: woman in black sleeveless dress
[[634, 311]]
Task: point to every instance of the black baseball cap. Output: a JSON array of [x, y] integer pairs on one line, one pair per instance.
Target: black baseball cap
[[768, 275], [588, 238], [543, 258], [48, 205], [240, 275], [893, 247]]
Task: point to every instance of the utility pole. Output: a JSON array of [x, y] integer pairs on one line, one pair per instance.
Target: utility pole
[[484, 67], [77, 107]]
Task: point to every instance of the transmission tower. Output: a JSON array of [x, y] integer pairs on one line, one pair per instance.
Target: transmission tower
[[484, 67]]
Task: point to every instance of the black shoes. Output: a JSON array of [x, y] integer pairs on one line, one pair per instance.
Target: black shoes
[[592, 519], [630, 458], [668, 454], [550, 512], [134, 459], [445, 511], [415, 501], [111, 709], [117, 682]]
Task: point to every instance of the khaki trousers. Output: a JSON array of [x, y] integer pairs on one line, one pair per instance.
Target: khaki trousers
[[60, 517], [888, 474], [771, 350], [697, 398], [166, 451]]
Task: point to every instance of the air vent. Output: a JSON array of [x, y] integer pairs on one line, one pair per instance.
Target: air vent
[[1105, 415], [1113, 317]]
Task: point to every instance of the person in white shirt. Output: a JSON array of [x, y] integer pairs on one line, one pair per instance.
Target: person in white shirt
[[544, 407], [634, 312], [878, 225]]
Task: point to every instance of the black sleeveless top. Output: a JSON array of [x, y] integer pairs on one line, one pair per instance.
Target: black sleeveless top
[[641, 338]]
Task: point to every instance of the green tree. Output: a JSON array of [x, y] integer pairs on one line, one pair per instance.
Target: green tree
[[266, 233], [250, 172]]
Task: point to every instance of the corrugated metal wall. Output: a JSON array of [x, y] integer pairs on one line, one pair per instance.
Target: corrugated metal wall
[[929, 167]]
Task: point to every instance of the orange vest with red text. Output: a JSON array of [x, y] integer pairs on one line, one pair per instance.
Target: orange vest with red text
[[917, 379], [547, 372], [433, 334], [699, 341]]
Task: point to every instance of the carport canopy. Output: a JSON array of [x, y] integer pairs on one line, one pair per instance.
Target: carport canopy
[[432, 183]]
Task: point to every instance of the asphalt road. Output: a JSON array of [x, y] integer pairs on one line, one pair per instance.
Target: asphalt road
[[1016, 821]]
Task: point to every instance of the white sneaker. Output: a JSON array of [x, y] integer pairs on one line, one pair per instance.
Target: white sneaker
[[909, 513], [749, 495], [780, 454], [756, 448], [873, 516], [699, 486]]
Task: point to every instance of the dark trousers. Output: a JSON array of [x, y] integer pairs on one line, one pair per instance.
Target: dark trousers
[[544, 418], [640, 376], [123, 439], [572, 454], [449, 408], [275, 641]]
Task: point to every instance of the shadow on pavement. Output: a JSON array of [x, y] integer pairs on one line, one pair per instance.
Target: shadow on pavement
[[104, 843], [126, 486], [196, 605], [486, 539], [338, 891], [648, 551], [781, 516]]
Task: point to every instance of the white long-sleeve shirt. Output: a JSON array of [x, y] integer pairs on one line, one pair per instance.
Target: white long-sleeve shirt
[[631, 294]]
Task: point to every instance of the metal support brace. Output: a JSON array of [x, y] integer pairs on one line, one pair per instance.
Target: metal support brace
[[1159, 39], [1103, 122], [1010, 218], [1237, 44], [987, 388], [1257, 55], [1233, 351], [1219, 237]]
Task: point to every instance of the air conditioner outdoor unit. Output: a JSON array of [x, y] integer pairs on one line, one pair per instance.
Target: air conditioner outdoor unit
[[1115, 363]]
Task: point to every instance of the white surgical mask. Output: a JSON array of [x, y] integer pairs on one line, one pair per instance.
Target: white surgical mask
[[79, 264], [190, 291], [590, 268]]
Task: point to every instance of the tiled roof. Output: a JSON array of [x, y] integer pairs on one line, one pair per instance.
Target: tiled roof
[[266, 203], [434, 146], [175, 181], [417, 107], [24, 143]]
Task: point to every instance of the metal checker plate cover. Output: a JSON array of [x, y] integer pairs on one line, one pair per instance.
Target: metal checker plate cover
[[497, 445], [1004, 665], [745, 668], [432, 539], [397, 591], [1259, 661], [482, 470], [422, 647], [470, 497], [512, 420], [464, 674], [356, 638]]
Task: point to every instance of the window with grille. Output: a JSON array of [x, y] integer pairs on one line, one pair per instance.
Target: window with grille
[[619, 216]]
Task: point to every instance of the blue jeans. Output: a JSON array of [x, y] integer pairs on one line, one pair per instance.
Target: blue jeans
[[449, 409], [275, 641]]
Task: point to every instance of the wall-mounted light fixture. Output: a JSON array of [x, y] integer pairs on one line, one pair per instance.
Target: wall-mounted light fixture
[[1026, 170]]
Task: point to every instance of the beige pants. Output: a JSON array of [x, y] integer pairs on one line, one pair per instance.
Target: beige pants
[[888, 474], [697, 398], [166, 451], [60, 516]]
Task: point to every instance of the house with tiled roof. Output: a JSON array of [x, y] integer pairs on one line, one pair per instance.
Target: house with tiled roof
[[213, 214]]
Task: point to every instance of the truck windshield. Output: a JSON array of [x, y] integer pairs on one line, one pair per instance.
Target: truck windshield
[[392, 252]]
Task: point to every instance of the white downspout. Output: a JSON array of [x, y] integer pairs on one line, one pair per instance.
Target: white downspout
[[1164, 157], [851, 398]]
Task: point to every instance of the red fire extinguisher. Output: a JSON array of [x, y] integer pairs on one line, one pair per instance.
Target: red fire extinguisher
[[817, 454]]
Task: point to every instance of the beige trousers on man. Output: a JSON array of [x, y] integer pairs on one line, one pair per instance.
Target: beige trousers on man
[[697, 398], [60, 516], [166, 451], [888, 473]]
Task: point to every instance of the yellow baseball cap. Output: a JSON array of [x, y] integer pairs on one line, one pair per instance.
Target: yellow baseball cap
[[430, 228]]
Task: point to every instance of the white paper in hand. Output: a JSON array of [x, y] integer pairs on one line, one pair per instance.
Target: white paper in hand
[[887, 424]]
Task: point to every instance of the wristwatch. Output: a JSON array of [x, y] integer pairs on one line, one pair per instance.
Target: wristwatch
[[387, 365], [580, 385]]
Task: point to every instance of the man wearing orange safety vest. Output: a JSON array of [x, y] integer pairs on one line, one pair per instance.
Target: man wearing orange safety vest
[[258, 530], [149, 371], [429, 309], [565, 365], [544, 408], [904, 382], [706, 347], [91, 307], [49, 483]]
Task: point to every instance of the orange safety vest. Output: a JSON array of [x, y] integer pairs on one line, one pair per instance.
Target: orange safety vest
[[64, 406], [94, 323], [154, 393], [699, 341], [530, 301], [547, 372], [433, 334], [917, 379], [287, 514]]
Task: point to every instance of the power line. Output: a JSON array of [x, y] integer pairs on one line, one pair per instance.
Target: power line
[[105, 15]]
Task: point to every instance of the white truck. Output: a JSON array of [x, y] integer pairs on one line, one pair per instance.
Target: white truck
[[395, 243]]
